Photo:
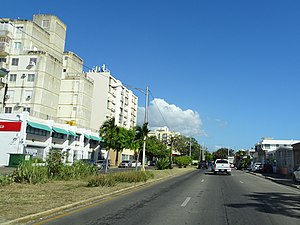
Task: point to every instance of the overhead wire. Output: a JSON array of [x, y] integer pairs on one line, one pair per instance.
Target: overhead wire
[[158, 109]]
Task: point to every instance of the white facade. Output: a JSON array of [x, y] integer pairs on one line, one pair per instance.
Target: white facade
[[75, 99], [38, 137], [268, 146], [32, 53], [111, 99]]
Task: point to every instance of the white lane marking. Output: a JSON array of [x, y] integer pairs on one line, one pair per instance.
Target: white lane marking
[[202, 180], [241, 182], [185, 201]]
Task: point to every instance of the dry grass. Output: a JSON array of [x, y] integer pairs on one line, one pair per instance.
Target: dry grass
[[19, 200]]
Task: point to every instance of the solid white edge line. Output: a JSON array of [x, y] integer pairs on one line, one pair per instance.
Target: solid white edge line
[[185, 201]]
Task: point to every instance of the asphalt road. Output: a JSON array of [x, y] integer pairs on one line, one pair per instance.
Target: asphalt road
[[195, 198]]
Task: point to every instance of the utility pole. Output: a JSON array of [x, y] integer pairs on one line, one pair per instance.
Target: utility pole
[[145, 121], [190, 147]]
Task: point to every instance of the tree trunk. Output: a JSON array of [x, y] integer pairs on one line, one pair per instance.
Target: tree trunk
[[117, 158]]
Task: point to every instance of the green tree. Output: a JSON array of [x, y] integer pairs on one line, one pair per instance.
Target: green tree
[[222, 153], [115, 137], [141, 135], [156, 148]]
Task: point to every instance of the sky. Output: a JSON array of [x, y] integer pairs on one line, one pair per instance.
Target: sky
[[225, 72]]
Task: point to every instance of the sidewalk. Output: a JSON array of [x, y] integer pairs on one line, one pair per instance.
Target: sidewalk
[[278, 178]]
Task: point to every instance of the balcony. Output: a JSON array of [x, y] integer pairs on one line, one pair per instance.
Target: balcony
[[4, 48], [3, 65]]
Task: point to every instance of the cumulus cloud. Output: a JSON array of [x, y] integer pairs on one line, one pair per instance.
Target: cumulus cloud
[[161, 113]]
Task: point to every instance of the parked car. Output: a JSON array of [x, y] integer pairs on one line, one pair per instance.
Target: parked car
[[124, 164], [257, 166], [296, 175], [101, 164], [133, 164], [267, 168], [152, 163], [88, 161]]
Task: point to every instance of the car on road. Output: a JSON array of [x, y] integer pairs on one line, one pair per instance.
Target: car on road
[[222, 166], [124, 164], [101, 164], [296, 175], [202, 165], [257, 166], [133, 164]]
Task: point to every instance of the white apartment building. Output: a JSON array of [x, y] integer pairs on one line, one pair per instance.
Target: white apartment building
[[32, 52], [76, 92], [111, 99]]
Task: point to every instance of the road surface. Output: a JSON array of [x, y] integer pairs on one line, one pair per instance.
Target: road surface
[[195, 198]]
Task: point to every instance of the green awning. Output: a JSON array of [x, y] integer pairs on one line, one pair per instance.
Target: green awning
[[87, 136], [72, 133], [95, 138], [39, 126], [60, 130]]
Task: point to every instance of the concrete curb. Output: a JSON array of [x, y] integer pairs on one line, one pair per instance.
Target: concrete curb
[[86, 201], [276, 181]]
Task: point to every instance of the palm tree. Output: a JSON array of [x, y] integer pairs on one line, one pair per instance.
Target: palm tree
[[141, 134]]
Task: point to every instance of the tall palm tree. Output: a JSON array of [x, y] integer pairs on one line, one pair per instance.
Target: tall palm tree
[[142, 133]]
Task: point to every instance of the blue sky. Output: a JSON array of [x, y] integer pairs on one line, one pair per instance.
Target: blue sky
[[225, 72]]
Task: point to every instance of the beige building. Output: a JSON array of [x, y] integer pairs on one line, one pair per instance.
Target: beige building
[[32, 52]]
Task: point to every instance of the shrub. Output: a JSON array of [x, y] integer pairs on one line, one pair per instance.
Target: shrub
[[5, 180], [28, 173], [101, 180], [55, 162], [183, 161], [132, 176], [162, 163]]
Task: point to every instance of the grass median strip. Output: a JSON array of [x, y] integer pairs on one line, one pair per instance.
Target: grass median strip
[[19, 200]]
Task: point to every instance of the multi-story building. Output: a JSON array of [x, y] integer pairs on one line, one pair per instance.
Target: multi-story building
[[32, 52], [111, 99], [38, 76], [76, 92]]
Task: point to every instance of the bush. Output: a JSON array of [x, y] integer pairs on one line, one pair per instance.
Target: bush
[[101, 180], [28, 173], [5, 180], [162, 163], [132, 176], [183, 161]]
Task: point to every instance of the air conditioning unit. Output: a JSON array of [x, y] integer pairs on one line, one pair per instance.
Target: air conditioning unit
[[31, 63], [2, 80], [28, 97], [6, 96]]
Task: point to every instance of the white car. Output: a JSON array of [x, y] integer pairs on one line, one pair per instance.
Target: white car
[[256, 166], [296, 175], [133, 164]]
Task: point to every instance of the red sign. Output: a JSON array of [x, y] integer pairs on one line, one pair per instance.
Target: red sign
[[10, 126]]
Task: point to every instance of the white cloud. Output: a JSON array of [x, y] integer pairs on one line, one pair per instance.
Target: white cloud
[[161, 113]]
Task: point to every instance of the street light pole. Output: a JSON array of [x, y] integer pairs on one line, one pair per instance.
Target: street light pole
[[145, 121]]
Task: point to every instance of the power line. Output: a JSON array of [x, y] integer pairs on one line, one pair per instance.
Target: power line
[[159, 109]]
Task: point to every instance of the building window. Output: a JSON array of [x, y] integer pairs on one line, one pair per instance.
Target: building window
[[30, 77], [17, 45], [13, 77], [35, 131], [26, 109], [3, 60], [28, 95], [45, 23], [19, 29], [64, 70], [15, 62], [8, 110], [267, 146], [32, 61]]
